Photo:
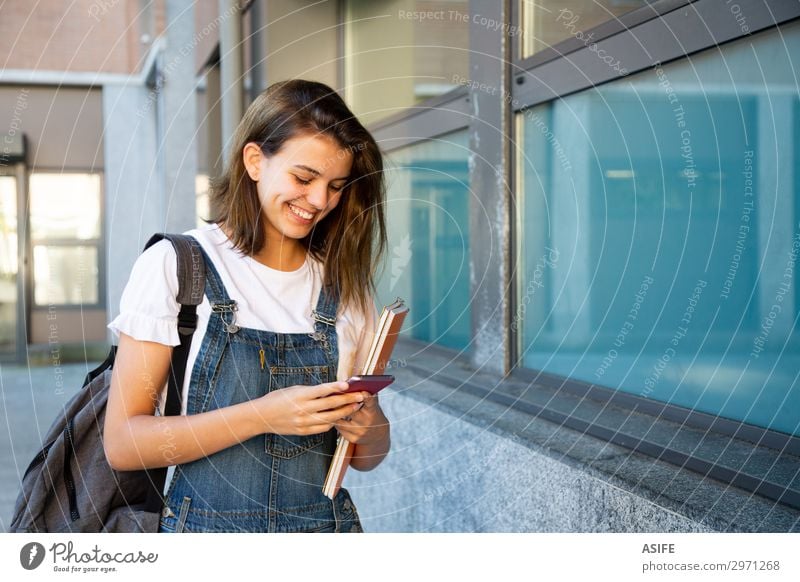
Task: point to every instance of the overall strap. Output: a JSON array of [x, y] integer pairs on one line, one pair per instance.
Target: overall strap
[[325, 325], [215, 288], [327, 305], [221, 303]]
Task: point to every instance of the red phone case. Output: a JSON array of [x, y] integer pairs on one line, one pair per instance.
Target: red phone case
[[366, 383]]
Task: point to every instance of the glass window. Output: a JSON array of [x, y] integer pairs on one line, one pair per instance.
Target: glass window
[[427, 217], [548, 22], [660, 229], [65, 235], [401, 52], [65, 206], [65, 275]]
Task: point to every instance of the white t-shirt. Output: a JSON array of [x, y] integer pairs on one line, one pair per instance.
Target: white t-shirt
[[267, 299]]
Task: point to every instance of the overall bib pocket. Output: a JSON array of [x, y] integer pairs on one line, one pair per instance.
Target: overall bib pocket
[[289, 446]]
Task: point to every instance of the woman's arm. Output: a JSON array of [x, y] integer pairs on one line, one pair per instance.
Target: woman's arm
[[135, 439]]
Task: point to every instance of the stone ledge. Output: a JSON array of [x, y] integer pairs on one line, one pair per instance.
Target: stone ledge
[[651, 494]]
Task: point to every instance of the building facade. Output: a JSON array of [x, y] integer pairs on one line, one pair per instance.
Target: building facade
[[89, 167], [594, 216]]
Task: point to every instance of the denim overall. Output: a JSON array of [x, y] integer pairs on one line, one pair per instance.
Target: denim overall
[[272, 482]]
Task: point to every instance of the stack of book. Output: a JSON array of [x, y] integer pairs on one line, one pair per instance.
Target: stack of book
[[380, 352]]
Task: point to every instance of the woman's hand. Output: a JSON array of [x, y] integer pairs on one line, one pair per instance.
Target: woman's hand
[[306, 410], [368, 429], [367, 426]]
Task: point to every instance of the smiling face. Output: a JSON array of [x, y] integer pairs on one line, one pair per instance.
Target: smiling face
[[299, 185]]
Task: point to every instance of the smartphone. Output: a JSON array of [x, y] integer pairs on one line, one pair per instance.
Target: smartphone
[[371, 384]]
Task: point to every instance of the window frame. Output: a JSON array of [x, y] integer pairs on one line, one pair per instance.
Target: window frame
[[674, 30], [429, 119], [425, 118], [661, 35], [98, 243], [16, 169]]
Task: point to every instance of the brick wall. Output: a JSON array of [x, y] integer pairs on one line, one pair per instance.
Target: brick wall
[[103, 36]]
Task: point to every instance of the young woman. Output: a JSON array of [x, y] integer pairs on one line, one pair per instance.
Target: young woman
[[296, 232]]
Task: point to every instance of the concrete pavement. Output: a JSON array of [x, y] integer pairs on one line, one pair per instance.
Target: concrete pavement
[[30, 398]]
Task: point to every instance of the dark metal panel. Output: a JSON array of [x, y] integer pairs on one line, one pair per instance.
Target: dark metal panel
[[15, 149], [257, 61], [695, 27], [425, 121], [444, 100]]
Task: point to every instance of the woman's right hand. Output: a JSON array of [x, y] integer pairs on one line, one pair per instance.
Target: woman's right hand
[[306, 410]]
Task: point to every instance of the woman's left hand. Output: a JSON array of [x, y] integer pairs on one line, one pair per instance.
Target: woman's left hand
[[367, 425]]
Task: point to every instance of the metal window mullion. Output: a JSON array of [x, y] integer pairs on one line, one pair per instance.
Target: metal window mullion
[[24, 263], [490, 152]]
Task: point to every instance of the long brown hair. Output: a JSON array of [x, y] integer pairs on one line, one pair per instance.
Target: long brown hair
[[351, 239]]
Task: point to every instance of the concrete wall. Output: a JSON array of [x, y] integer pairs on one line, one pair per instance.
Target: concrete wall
[[301, 41], [135, 205], [150, 152], [179, 131], [64, 125]]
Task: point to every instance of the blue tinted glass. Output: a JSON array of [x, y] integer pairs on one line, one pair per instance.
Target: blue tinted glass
[[427, 217], [660, 228]]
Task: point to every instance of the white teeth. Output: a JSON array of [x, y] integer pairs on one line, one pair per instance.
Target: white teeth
[[299, 212]]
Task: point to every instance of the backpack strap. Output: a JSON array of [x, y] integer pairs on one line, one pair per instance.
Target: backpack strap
[[191, 287]]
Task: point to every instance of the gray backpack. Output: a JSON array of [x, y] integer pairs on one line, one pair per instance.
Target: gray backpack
[[69, 486]]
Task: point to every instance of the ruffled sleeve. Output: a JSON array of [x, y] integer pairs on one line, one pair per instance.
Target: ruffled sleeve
[[148, 308]]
